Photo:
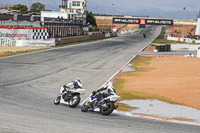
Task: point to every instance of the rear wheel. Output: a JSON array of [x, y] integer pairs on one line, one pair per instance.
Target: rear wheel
[[74, 101], [84, 107], [109, 109], [57, 100]]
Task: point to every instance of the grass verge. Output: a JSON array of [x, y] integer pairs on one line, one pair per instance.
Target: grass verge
[[10, 53], [162, 41], [138, 30]]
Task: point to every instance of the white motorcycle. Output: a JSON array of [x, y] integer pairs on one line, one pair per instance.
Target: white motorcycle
[[106, 105], [69, 96]]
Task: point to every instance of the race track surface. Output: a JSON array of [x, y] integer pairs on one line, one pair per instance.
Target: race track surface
[[30, 82]]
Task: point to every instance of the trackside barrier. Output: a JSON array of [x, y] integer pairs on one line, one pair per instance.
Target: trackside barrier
[[198, 52], [175, 47], [82, 38], [107, 35], [32, 43], [25, 36], [187, 40], [22, 43], [7, 42]]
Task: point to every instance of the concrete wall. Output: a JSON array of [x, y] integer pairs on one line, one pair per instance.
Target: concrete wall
[[197, 32], [34, 43], [20, 23], [187, 40], [81, 38], [175, 47], [26, 43], [51, 14]]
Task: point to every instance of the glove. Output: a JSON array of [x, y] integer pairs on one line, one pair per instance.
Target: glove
[[64, 86], [94, 92]]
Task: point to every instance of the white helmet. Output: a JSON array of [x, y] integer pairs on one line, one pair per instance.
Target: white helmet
[[77, 79], [109, 84]]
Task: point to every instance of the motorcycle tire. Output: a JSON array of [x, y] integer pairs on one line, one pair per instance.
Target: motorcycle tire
[[72, 103], [84, 107], [109, 109], [57, 100]]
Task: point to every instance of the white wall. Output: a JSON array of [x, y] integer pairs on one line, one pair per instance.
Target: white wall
[[178, 39], [197, 32], [26, 43], [107, 35], [175, 47], [31, 43], [50, 14], [7, 42]]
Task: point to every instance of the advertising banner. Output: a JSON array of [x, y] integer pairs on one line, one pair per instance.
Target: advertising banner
[[15, 33], [126, 21], [143, 21], [159, 22]]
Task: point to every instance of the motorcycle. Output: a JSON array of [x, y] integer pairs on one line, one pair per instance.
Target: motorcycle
[[69, 96], [106, 105]]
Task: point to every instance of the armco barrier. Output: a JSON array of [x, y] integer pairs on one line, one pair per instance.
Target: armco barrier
[[33, 43], [80, 38]]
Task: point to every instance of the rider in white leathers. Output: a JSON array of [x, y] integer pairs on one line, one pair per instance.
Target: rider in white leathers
[[109, 90], [76, 84]]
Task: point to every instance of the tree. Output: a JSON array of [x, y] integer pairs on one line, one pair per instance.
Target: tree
[[91, 19], [37, 7], [22, 8]]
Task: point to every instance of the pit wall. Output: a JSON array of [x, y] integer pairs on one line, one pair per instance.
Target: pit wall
[[83, 38]]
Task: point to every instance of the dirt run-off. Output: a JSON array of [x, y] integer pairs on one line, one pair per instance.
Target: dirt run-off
[[171, 78]]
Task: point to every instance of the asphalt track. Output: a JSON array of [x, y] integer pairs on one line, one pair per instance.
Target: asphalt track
[[30, 82]]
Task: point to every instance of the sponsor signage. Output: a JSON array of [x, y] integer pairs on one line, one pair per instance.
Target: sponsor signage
[[15, 33], [159, 22], [143, 21], [126, 20]]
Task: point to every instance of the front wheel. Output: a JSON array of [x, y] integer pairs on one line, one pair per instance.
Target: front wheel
[[57, 100], [109, 109], [84, 107], [74, 101]]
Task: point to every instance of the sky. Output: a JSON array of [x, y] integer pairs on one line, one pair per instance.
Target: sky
[[152, 8]]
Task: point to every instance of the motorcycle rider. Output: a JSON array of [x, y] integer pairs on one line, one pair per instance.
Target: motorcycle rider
[[76, 83], [144, 35], [109, 90]]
